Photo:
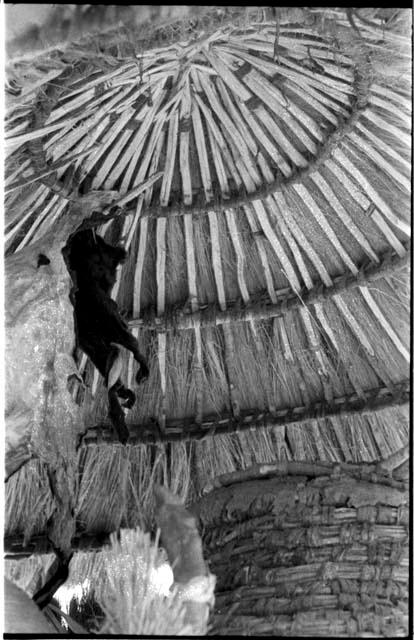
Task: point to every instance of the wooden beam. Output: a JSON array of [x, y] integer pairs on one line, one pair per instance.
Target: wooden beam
[[186, 429], [162, 336], [228, 351]]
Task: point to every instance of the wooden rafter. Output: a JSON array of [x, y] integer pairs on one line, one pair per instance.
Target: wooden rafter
[[193, 295], [232, 103], [227, 331]]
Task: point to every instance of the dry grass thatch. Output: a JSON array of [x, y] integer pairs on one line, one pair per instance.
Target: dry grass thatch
[[267, 277], [115, 483]]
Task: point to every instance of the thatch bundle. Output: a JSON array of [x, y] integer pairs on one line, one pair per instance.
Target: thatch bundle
[[266, 280]]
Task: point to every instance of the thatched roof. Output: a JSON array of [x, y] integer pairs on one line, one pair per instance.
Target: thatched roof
[[267, 272]]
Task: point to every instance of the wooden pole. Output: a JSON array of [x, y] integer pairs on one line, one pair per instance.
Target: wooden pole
[[187, 429]]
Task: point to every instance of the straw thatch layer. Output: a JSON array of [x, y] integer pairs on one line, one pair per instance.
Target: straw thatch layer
[[266, 284], [115, 484], [343, 344]]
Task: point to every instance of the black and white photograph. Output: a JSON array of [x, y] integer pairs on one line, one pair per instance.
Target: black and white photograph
[[207, 321]]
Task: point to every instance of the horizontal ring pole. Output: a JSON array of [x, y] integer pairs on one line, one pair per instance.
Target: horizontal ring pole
[[211, 315], [186, 429]]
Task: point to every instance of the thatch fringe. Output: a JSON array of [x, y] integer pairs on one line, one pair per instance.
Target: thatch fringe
[[190, 469], [29, 491], [381, 472]]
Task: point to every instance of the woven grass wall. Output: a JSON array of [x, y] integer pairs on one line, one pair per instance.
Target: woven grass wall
[[326, 556]]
